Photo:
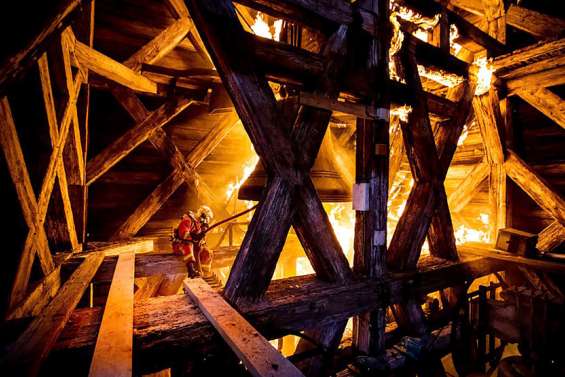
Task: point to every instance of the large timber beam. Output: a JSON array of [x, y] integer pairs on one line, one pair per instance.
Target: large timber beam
[[535, 187], [547, 102], [171, 326]]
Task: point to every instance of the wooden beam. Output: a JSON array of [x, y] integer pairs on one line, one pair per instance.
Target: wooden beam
[[487, 252], [538, 24], [546, 102], [25, 356], [551, 237], [550, 77], [536, 187], [463, 194], [113, 353], [184, 171], [161, 45], [120, 148], [39, 297], [26, 55], [164, 324], [54, 136], [132, 245], [541, 51], [109, 68], [26, 196], [257, 354]]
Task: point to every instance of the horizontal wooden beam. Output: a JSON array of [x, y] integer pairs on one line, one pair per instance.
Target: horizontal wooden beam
[[172, 325], [134, 245], [495, 254], [551, 77], [25, 356], [282, 62], [541, 51]]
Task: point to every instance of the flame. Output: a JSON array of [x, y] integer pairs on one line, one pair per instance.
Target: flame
[[248, 168], [453, 35], [464, 234], [445, 78], [261, 28], [484, 76], [401, 112], [342, 218], [463, 136], [424, 25]]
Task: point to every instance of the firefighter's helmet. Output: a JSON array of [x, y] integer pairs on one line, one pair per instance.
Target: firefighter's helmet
[[205, 214]]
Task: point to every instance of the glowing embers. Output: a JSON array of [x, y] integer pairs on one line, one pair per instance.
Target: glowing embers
[[262, 28], [465, 234], [484, 75]]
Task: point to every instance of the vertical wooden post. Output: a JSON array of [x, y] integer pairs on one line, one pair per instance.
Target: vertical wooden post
[[372, 169]]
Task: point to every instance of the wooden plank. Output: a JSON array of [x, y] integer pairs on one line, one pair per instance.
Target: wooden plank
[[546, 102], [111, 69], [259, 357], [25, 356], [57, 16], [172, 325], [551, 237], [114, 347], [536, 187], [133, 245], [120, 148], [161, 45]]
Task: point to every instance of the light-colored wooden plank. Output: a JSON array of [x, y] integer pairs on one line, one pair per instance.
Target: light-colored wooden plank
[[161, 45], [546, 102], [114, 346], [25, 355], [256, 353]]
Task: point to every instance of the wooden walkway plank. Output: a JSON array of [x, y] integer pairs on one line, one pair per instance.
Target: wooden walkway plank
[[114, 345], [25, 355], [256, 353]]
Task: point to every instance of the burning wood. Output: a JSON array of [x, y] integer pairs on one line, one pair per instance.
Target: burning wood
[[484, 75], [262, 28]]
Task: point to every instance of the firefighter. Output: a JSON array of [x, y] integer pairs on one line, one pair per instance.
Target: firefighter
[[189, 240]]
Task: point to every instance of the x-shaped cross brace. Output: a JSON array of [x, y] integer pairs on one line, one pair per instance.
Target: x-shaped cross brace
[[426, 209], [290, 196]]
